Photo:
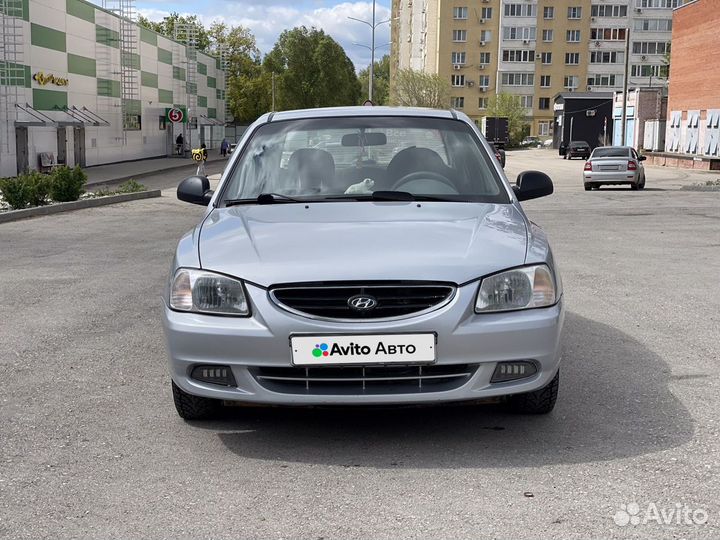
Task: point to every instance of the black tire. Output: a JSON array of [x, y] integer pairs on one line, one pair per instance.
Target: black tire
[[642, 184], [635, 186], [541, 401], [191, 407], [588, 187]]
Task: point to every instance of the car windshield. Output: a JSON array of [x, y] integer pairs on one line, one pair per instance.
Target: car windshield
[[578, 144], [610, 152], [351, 158]]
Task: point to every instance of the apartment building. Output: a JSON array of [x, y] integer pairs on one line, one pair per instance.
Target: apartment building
[[535, 49]]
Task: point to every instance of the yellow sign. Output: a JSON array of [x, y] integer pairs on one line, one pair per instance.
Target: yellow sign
[[42, 79]]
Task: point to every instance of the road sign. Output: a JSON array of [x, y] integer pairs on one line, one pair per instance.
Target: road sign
[[176, 115]]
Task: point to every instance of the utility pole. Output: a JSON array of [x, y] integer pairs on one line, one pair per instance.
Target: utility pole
[[373, 25], [273, 92], [623, 119]]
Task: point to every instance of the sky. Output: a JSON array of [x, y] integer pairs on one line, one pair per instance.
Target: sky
[[267, 18]]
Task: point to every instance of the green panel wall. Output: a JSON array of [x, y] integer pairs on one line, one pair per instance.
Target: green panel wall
[[42, 36], [164, 56], [212, 113], [202, 101], [81, 65], [133, 106], [108, 88], [106, 36], [12, 74], [148, 36], [149, 79], [81, 10], [202, 68], [191, 88], [16, 8], [48, 100], [178, 73], [133, 60], [165, 96], [211, 82]]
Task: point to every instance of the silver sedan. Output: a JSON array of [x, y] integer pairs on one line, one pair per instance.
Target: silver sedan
[[393, 265], [614, 165]]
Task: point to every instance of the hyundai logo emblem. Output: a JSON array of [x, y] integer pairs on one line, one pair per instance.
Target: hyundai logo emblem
[[361, 302]]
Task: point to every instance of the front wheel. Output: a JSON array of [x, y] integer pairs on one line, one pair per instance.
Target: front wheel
[[191, 407], [540, 401]]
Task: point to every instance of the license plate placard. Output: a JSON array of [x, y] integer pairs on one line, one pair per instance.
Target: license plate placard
[[333, 350]]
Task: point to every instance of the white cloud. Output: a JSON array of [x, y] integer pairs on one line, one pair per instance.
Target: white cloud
[[268, 20]]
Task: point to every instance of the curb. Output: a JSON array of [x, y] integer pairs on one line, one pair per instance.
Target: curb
[[14, 215], [144, 174]]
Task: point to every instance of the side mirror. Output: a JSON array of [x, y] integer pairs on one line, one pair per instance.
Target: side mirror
[[532, 184], [642, 158], [195, 190]]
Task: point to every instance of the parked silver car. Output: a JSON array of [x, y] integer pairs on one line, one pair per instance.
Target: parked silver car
[[614, 165], [407, 274]]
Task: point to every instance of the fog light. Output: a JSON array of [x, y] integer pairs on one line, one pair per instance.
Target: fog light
[[214, 374], [510, 371]]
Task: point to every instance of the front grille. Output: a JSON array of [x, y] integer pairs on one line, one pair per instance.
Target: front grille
[[347, 380], [330, 301]]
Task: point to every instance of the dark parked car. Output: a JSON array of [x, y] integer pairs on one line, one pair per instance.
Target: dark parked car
[[499, 154], [579, 149]]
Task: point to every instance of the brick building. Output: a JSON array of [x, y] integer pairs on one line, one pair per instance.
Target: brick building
[[693, 125]]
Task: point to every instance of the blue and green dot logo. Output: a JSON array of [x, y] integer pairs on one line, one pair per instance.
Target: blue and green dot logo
[[320, 350]]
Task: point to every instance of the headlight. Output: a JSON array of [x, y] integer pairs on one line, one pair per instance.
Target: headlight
[[521, 288], [206, 292]]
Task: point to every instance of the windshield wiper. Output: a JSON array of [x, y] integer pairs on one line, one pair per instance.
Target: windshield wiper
[[400, 196], [264, 198]]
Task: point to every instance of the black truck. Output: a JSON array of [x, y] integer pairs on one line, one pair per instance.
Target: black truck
[[497, 134]]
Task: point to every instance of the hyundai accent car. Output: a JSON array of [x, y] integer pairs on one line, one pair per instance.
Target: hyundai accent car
[[404, 271], [614, 165]]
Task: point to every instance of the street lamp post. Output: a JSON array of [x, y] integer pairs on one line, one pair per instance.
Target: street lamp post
[[373, 25]]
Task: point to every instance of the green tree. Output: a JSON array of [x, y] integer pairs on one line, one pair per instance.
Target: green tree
[[239, 46], [312, 70], [419, 89], [250, 94], [509, 106], [381, 88], [166, 27]]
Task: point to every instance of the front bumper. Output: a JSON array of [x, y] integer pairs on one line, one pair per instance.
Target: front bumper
[[262, 341]]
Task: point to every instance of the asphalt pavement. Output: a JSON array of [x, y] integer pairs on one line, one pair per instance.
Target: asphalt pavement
[[91, 446]]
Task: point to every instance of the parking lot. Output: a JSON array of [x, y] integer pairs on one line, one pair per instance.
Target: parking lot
[[91, 446]]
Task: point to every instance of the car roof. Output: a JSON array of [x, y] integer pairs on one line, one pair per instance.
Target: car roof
[[329, 112], [613, 146]]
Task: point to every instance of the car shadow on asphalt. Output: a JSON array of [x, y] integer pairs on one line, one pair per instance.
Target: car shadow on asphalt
[[614, 403]]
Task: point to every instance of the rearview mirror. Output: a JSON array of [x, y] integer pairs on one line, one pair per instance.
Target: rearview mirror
[[195, 190], [364, 139], [642, 158], [532, 184]]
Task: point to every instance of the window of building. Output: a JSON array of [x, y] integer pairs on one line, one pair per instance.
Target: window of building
[[483, 103], [604, 79], [484, 57], [519, 32], [458, 102], [547, 35], [571, 82], [546, 57], [573, 36], [486, 36], [484, 81], [607, 34], [518, 55], [548, 12], [518, 79], [460, 12], [545, 81], [526, 101], [459, 35], [572, 58], [520, 10], [653, 25], [608, 10], [544, 128], [457, 58], [607, 57], [651, 47], [486, 13], [645, 70], [574, 12], [457, 80], [544, 103], [658, 3]]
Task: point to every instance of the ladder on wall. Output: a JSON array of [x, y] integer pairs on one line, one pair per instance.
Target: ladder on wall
[[12, 70], [187, 34], [224, 65]]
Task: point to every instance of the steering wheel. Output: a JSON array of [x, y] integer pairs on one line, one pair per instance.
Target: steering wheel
[[423, 175]]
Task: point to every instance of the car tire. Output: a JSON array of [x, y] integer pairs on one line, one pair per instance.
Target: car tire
[[588, 187], [541, 401], [191, 407], [635, 186], [642, 184]]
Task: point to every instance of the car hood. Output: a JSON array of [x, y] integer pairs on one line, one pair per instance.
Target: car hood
[[285, 243]]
